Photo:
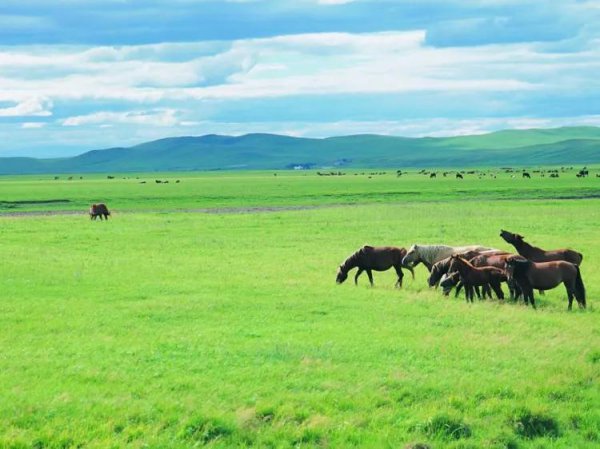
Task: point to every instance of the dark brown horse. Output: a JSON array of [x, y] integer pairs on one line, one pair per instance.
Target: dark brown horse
[[445, 266], [99, 210], [497, 260], [537, 254], [472, 277], [545, 276], [377, 258]]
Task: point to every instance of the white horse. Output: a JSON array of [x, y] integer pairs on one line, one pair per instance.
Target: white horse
[[430, 254]]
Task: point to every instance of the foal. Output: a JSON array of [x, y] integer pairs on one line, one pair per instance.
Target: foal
[[472, 277], [378, 258]]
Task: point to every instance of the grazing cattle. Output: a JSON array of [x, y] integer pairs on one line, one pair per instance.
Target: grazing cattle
[[545, 276], [432, 175], [526, 175], [459, 176], [472, 277], [110, 177], [378, 258], [536, 254], [99, 210], [430, 254], [554, 175]]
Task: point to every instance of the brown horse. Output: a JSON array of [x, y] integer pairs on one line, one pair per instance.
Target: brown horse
[[545, 276], [378, 258], [497, 260], [99, 210], [445, 266], [537, 254], [472, 277]]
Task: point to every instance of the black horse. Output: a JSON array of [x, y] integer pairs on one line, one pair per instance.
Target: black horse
[[99, 210], [378, 258]]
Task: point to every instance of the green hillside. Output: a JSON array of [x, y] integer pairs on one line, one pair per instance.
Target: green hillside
[[576, 145]]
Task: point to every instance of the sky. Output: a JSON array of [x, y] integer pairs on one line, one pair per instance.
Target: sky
[[77, 75]]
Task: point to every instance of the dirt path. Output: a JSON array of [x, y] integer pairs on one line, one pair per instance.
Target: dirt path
[[213, 210]]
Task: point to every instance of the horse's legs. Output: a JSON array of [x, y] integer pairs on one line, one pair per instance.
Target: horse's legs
[[498, 290], [370, 276], [569, 295], [476, 292], [358, 273], [400, 276], [531, 298], [458, 287], [469, 293], [486, 291]]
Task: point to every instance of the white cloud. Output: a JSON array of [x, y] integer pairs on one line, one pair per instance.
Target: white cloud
[[158, 117], [279, 66], [35, 106], [32, 125], [334, 2]]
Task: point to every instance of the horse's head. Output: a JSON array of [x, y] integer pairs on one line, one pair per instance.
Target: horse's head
[[412, 256], [515, 265], [437, 272], [448, 281], [341, 276], [434, 276], [511, 238]]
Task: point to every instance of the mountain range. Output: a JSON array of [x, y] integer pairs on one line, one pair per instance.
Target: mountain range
[[532, 147]]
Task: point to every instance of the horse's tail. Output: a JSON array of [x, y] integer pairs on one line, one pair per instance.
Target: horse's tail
[[579, 288]]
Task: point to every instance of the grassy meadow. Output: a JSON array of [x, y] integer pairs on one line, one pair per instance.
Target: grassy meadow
[[168, 327]]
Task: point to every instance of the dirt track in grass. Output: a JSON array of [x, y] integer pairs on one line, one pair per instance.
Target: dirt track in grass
[[214, 210]]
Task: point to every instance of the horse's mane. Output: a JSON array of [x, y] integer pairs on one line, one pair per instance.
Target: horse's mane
[[350, 261], [443, 264], [463, 261]]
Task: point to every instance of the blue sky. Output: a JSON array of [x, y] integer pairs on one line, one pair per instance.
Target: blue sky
[[84, 74]]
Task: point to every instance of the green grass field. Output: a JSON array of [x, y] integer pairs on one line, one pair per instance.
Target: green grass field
[[166, 327]]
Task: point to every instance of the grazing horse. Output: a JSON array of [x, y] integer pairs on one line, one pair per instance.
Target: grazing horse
[[99, 210], [430, 254], [526, 175], [472, 277], [545, 276], [537, 254], [378, 258]]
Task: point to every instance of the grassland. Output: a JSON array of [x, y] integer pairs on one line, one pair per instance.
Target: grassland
[[166, 328]]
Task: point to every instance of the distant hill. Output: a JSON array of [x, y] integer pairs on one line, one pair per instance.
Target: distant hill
[[559, 146]]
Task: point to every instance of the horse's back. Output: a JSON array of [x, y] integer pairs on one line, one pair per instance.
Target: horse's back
[[380, 257]]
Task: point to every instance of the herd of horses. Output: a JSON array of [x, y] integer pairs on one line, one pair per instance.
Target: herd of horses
[[478, 269]]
